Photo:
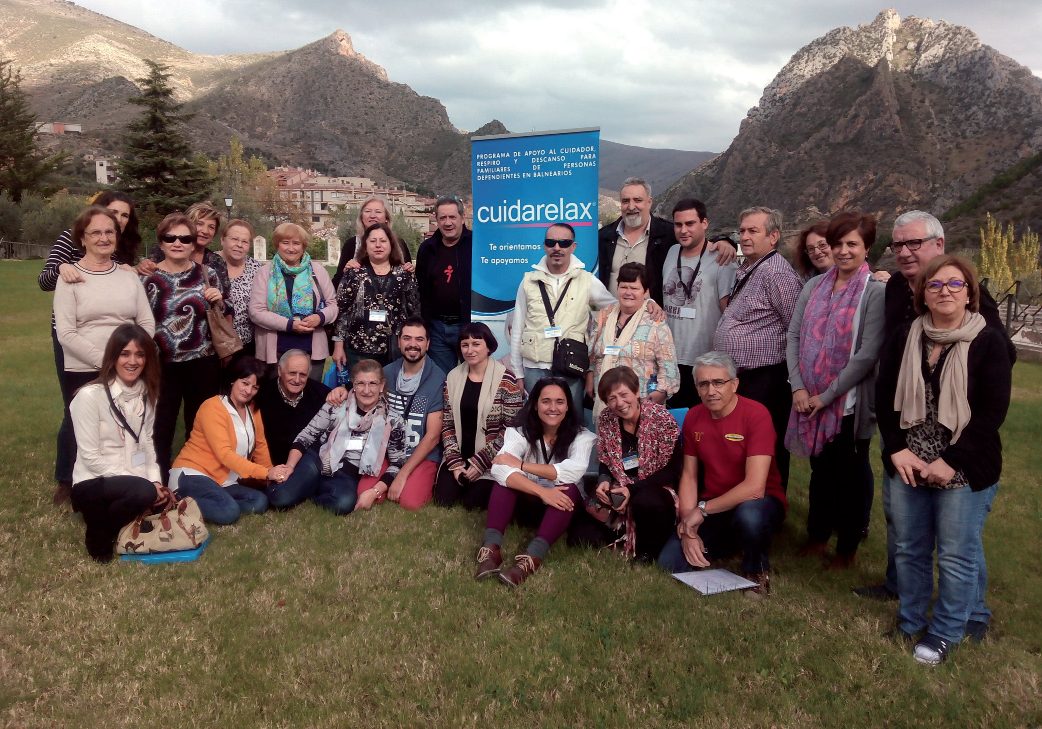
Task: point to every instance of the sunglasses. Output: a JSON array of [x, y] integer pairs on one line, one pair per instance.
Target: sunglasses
[[954, 285], [559, 242], [170, 238]]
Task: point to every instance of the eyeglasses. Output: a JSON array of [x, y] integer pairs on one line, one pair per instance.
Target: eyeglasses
[[560, 243], [819, 248], [170, 238], [96, 234], [912, 244], [954, 285], [715, 384]]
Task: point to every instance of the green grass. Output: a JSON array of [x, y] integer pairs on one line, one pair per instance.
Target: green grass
[[305, 619]]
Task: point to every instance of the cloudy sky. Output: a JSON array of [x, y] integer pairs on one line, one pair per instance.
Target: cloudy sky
[[680, 74]]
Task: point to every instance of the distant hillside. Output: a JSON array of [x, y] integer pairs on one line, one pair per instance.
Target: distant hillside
[[1012, 196], [660, 167]]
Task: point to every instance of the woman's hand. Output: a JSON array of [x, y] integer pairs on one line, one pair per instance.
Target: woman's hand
[[557, 497], [339, 355], [882, 276], [457, 472], [694, 550], [312, 320], [301, 327], [473, 472], [367, 498], [814, 405], [601, 492], [907, 464], [409, 266], [507, 459], [213, 295], [352, 264], [801, 400], [938, 473], [70, 274], [146, 267], [277, 474], [336, 396]]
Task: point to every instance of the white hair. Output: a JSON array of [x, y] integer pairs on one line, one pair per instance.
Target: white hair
[[717, 359], [934, 229]]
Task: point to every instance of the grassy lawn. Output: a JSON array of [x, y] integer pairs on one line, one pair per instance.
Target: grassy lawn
[[305, 619]]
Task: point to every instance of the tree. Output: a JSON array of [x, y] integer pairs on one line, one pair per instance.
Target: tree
[[1003, 259], [44, 223], [158, 168], [22, 166]]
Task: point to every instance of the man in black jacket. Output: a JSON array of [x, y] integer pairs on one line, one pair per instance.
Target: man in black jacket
[[443, 273]]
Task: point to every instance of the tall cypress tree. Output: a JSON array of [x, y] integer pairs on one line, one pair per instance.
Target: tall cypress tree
[[22, 166], [157, 166]]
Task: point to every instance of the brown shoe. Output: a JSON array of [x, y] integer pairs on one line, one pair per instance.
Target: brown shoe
[[62, 493], [763, 585], [524, 566], [490, 557]]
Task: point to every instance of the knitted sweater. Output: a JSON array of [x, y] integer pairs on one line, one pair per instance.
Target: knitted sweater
[[211, 446]]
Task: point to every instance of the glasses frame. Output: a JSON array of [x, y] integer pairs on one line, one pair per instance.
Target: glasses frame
[[170, 238], [705, 385], [935, 285], [558, 243], [913, 244]]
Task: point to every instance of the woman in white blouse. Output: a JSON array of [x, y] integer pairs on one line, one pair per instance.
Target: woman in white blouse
[[542, 462], [116, 477]]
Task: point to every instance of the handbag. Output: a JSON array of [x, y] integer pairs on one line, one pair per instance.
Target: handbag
[[226, 340], [175, 528], [571, 357]]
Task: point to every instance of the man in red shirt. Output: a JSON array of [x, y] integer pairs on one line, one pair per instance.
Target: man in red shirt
[[731, 497]]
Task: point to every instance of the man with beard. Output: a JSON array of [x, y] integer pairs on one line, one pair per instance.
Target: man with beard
[[288, 402]]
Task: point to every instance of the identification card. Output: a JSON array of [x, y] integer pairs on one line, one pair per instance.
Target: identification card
[[687, 312], [138, 459], [551, 332], [378, 315], [630, 462], [612, 350], [354, 444]]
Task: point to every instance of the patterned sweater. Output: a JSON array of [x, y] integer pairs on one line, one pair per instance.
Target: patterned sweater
[[182, 332], [361, 292], [509, 398]]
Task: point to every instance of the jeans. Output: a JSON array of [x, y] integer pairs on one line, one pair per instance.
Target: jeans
[[221, 504], [748, 527], [444, 341], [337, 493], [575, 384], [953, 520]]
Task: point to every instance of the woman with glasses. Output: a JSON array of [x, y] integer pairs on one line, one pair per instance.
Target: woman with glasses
[[179, 291], [943, 392], [811, 252], [833, 344]]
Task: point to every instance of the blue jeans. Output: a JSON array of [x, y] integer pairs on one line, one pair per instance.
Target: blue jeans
[[576, 384], [444, 343], [953, 520], [748, 527], [337, 493], [221, 504]]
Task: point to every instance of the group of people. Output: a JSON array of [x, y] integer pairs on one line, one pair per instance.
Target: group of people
[[754, 360]]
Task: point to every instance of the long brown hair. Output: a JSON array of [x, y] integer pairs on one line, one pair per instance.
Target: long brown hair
[[395, 259], [121, 336]]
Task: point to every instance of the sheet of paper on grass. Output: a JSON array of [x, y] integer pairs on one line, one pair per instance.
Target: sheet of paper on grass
[[710, 582]]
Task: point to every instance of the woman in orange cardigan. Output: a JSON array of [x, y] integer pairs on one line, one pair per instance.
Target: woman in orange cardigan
[[226, 446]]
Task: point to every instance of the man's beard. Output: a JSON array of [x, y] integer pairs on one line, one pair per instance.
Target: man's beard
[[632, 220]]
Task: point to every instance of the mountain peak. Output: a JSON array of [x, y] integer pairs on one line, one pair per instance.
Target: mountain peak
[[339, 43]]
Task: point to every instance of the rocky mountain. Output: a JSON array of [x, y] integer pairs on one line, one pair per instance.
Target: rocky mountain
[[887, 116], [660, 167]]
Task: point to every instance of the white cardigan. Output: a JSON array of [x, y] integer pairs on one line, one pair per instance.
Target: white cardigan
[[103, 448]]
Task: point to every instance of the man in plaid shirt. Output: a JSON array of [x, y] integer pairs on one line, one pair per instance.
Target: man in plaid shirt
[[754, 325]]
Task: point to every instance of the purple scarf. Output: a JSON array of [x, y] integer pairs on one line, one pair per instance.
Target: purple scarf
[[826, 335]]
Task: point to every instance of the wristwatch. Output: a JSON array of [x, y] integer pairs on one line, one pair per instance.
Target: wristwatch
[[702, 508]]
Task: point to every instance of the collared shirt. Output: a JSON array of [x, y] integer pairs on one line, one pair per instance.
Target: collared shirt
[[755, 324], [626, 252]]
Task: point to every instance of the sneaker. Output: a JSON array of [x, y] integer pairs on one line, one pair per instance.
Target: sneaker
[[977, 630], [490, 557], [931, 650], [875, 592], [763, 585], [524, 566]]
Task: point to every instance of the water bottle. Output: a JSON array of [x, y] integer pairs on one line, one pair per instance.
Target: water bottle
[[343, 376], [652, 384]]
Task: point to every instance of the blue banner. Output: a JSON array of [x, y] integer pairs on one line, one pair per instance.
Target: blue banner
[[522, 183]]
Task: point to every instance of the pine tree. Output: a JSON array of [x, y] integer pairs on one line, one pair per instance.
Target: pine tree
[[22, 166], [158, 167]]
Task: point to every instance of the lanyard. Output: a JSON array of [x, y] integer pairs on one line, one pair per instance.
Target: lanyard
[[550, 312], [542, 446], [680, 276], [739, 285], [122, 419]]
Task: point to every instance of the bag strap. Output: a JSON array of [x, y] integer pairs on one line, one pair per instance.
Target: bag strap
[[550, 311]]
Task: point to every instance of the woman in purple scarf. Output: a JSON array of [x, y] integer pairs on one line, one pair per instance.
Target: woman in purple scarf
[[833, 344]]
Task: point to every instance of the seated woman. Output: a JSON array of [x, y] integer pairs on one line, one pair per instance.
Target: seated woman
[[541, 464], [342, 444], [226, 446], [628, 335], [942, 392], [638, 443], [116, 477], [481, 397]]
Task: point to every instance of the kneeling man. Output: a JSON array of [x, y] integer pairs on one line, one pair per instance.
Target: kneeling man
[[731, 496]]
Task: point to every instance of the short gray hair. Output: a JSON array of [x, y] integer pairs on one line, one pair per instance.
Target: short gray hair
[[934, 229], [449, 200], [716, 359], [636, 181], [774, 218], [289, 354]]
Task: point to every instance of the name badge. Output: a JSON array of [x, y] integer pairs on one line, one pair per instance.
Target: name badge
[[630, 462], [612, 350], [354, 444], [138, 459], [687, 312], [552, 332], [378, 315]]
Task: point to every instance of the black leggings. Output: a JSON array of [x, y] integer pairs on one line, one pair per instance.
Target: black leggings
[[108, 504], [449, 492], [193, 382], [841, 483]]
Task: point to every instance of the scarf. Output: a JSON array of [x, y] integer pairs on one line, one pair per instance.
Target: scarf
[[607, 337], [953, 407], [376, 433], [299, 302], [455, 382], [826, 336]]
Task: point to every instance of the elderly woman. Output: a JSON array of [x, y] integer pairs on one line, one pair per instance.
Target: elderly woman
[[811, 252], [833, 344], [242, 269], [292, 298], [627, 335], [206, 221], [116, 477], [943, 392], [541, 464], [344, 443], [638, 443], [180, 291], [482, 397], [374, 300], [374, 210], [64, 253]]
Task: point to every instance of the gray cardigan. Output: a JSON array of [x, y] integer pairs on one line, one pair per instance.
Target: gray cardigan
[[860, 371]]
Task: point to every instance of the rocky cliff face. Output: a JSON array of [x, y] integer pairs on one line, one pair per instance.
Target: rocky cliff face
[[887, 116]]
